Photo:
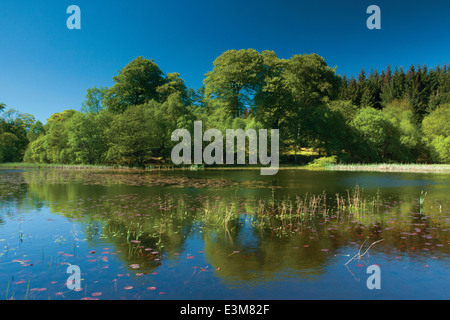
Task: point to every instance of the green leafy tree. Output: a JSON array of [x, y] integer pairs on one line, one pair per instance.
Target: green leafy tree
[[440, 149], [436, 130], [136, 84], [9, 147], [273, 99], [379, 139], [311, 83], [346, 108], [235, 79], [401, 116], [57, 137], [86, 138], [37, 151], [94, 100], [36, 130], [174, 85], [130, 137], [15, 123]]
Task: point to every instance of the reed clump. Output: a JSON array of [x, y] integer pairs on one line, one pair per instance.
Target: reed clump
[[291, 213]]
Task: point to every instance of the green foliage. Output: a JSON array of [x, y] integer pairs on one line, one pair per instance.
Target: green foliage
[[37, 151], [13, 130], [323, 162], [36, 130], [379, 136], [440, 149], [130, 137], [437, 123], [346, 108], [137, 83], [401, 116], [86, 138], [234, 80], [387, 116], [94, 100], [9, 147], [436, 130]]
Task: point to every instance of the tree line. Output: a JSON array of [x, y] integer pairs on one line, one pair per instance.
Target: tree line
[[387, 116]]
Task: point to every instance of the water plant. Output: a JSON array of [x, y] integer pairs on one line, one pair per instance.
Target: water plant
[[422, 198]]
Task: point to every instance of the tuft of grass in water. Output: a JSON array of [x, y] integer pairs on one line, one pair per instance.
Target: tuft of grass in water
[[218, 214], [422, 198], [289, 214]]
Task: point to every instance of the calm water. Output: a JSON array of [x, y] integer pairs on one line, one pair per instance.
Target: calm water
[[145, 236]]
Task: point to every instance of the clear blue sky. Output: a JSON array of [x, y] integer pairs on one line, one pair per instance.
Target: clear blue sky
[[46, 68]]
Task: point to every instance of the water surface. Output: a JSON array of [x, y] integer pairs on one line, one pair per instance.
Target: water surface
[[153, 235]]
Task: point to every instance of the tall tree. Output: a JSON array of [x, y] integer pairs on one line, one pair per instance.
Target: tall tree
[[130, 137], [136, 84], [86, 139], [311, 83], [436, 129], [272, 101], [235, 79], [174, 85]]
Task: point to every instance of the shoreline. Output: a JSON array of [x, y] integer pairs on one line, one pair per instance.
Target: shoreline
[[382, 167]]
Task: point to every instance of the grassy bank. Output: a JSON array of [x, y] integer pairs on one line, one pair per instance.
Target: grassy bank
[[382, 167], [26, 165]]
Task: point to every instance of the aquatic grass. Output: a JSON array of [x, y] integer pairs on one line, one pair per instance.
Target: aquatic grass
[[28, 290], [289, 214], [218, 214], [422, 198]]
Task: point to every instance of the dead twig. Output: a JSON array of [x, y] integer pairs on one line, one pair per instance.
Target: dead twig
[[359, 255]]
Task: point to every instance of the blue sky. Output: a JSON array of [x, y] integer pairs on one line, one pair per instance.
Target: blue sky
[[46, 68]]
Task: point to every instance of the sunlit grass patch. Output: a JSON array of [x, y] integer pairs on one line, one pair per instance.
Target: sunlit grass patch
[[384, 167]]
